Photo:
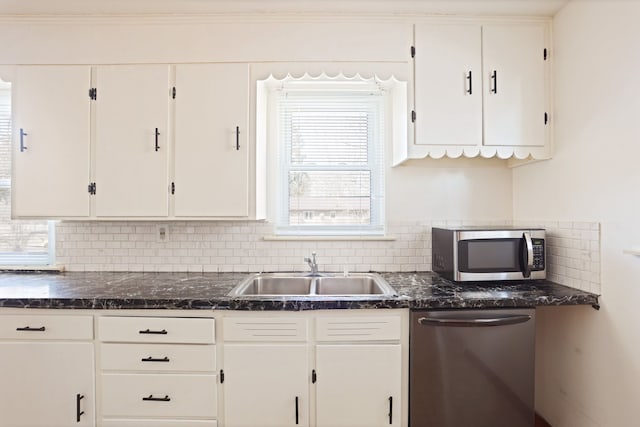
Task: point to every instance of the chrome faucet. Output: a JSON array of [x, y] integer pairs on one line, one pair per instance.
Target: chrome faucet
[[313, 264]]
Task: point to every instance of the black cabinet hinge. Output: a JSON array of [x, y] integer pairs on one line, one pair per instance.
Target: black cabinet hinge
[[173, 92], [93, 93], [545, 54], [413, 51], [546, 118], [92, 188], [413, 116], [221, 376], [173, 188]]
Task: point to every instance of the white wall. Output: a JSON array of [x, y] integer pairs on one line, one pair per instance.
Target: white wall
[[589, 361]]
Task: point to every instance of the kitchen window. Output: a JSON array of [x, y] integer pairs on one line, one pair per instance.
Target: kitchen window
[[329, 136], [21, 242]]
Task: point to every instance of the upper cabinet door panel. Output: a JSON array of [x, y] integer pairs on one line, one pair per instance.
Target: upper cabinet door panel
[[211, 140], [51, 108], [514, 72], [448, 84], [132, 134]]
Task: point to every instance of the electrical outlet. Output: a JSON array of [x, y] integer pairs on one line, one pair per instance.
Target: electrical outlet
[[162, 233]]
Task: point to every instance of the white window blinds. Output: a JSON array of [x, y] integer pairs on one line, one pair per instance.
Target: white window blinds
[[21, 242], [331, 164]]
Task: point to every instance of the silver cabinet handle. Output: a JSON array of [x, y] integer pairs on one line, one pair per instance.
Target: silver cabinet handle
[[22, 135], [529, 262], [473, 323]]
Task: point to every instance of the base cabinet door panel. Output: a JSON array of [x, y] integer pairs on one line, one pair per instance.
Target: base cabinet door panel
[[358, 385], [46, 384], [266, 385]]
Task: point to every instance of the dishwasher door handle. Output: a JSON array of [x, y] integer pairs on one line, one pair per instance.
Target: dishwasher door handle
[[475, 322]]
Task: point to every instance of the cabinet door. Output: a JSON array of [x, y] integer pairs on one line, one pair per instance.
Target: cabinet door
[[266, 385], [514, 72], [41, 383], [51, 141], [448, 84], [132, 109], [358, 385], [211, 140]]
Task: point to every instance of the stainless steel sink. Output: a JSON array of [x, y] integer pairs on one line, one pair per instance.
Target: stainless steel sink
[[351, 285], [325, 285]]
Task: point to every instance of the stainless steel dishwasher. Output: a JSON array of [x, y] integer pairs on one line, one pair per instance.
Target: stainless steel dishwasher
[[472, 368]]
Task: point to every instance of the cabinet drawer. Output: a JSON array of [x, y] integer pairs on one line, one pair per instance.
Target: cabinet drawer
[[265, 329], [374, 328], [46, 327], [158, 357], [163, 395], [156, 330], [159, 423]]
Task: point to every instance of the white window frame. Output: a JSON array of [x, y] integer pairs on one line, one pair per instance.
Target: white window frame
[[393, 112]]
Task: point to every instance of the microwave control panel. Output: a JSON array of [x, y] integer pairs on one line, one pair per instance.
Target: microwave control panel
[[538, 254]]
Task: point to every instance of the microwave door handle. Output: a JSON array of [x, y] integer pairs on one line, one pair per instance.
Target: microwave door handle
[[528, 265]]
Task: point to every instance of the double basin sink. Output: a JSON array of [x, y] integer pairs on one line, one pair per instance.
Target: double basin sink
[[321, 285]]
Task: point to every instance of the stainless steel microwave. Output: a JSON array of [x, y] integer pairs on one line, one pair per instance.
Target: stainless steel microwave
[[477, 254]]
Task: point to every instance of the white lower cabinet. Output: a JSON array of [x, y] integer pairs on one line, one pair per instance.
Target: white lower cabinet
[[315, 369], [157, 371], [266, 385], [358, 385], [46, 373], [162, 395]]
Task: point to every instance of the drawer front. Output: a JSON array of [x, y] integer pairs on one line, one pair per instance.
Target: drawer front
[[156, 330], [163, 395], [374, 328], [158, 357], [265, 329], [46, 327], [159, 423]]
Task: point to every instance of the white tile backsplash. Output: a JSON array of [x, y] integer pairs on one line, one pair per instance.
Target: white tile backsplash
[[573, 248]]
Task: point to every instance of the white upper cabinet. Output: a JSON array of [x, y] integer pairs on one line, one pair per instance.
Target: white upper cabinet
[[514, 101], [51, 141], [211, 164], [131, 141], [448, 84], [480, 89]]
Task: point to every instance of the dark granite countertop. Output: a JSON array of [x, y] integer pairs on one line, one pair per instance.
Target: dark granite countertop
[[112, 290]]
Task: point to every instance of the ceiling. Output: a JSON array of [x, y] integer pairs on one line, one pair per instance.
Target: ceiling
[[162, 7]]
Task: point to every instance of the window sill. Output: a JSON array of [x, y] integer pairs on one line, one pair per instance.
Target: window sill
[[329, 238]]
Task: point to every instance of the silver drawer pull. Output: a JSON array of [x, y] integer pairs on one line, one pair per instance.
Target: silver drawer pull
[[156, 399]]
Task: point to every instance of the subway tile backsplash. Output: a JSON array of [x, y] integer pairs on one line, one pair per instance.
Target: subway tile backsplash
[[573, 248]]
